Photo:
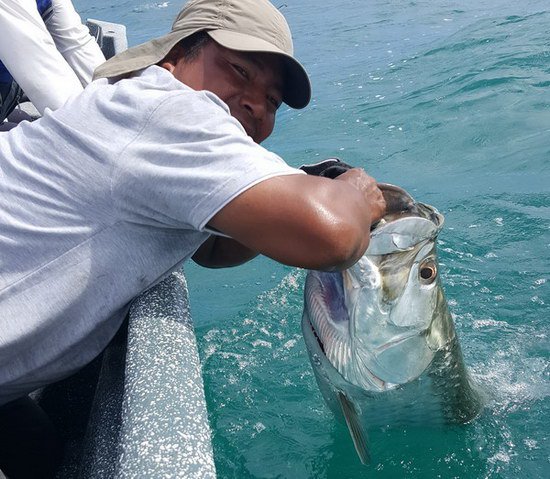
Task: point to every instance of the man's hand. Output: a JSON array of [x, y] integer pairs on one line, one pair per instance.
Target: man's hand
[[368, 187]]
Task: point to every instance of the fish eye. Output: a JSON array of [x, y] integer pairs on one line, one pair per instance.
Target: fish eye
[[427, 271]]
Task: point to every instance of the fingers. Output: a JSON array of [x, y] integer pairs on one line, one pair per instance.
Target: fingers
[[367, 185]]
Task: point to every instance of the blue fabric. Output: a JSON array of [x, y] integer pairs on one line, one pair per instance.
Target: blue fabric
[[5, 76], [43, 6]]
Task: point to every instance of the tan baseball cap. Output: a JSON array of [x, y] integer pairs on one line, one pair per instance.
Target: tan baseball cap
[[243, 25]]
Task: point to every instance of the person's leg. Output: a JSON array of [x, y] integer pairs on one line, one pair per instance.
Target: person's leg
[[29, 444]]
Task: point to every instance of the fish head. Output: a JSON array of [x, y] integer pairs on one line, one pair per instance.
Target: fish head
[[393, 295]]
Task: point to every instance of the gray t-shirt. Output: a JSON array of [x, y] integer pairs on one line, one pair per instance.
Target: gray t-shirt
[[98, 201]]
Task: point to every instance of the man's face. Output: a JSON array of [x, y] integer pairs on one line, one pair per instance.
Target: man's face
[[250, 84]]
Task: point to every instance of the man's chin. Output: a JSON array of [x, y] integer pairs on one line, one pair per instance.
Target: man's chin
[[248, 128]]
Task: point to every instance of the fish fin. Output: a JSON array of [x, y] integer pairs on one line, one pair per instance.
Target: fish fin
[[358, 433]]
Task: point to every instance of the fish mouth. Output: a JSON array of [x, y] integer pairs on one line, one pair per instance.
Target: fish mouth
[[399, 204]]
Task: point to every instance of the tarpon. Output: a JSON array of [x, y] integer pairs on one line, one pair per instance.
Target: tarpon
[[379, 335]]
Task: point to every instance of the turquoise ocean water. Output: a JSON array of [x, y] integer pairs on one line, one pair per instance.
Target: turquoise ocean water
[[450, 100]]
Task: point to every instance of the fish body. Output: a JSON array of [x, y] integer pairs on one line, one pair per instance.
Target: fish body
[[379, 335]]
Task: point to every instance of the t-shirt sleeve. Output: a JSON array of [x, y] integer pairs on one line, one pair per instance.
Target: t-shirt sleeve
[[188, 161]]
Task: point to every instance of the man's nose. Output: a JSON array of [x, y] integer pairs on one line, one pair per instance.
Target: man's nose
[[254, 103]]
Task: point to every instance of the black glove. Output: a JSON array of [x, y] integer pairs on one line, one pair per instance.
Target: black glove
[[329, 168]]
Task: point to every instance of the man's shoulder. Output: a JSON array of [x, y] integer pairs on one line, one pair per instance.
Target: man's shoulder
[[158, 79], [153, 88]]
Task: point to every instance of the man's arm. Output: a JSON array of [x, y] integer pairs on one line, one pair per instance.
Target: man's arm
[[300, 220], [220, 252], [29, 53], [73, 40]]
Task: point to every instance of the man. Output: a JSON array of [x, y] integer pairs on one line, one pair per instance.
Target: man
[[46, 51], [158, 162]]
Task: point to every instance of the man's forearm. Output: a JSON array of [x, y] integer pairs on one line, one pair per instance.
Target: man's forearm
[[305, 221]]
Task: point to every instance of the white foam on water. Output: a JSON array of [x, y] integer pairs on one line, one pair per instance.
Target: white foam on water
[[484, 323]]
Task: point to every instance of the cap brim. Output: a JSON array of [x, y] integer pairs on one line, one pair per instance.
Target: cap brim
[[297, 88], [140, 56]]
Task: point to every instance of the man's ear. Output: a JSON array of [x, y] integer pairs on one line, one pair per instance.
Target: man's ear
[[169, 62]]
